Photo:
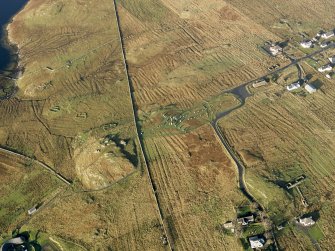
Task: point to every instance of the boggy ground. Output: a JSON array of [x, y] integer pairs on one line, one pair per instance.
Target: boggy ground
[[73, 112]]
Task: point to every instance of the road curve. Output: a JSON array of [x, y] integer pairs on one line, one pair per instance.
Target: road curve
[[242, 93]]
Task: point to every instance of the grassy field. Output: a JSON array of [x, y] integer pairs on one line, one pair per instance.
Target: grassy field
[[280, 136], [122, 217], [71, 91], [191, 56], [23, 186], [73, 112], [287, 19], [196, 185]]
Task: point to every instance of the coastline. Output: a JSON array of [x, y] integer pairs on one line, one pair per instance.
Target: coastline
[[8, 40], [14, 69]]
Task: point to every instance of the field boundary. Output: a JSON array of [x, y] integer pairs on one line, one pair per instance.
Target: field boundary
[[138, 130], [41, 164]]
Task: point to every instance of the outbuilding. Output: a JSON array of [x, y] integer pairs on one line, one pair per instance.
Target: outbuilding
[[330, 75], [324, 44], [244, 221], [306, 44], [310, 88], [259, 83], [328, 35], [32, 210], [228, 225]]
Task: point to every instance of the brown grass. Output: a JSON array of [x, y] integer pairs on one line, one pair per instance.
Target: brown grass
[[196, 186], [180, 54], [291, 135]]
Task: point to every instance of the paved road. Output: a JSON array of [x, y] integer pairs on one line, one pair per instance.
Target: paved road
[[242, 93], [279, 70], [240, 166]]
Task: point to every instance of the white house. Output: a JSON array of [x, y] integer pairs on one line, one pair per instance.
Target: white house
[[293, 86], [307, 221], [332, 59], [256, 242], [324, 68], [306, 44], [328, 35], [310, 88]]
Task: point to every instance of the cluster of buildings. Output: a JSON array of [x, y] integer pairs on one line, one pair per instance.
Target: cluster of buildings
[[242, 221], [321, 34], [273, 48], [255, 241], [296, 85]]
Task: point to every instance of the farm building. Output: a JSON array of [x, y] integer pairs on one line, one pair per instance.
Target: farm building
[[306, 44], [259, 83], [293, 86], [324, 68], [310, 88], [256, 242], [275, 50], [32, 210], [244, 221], [328, 35], [324, 44], [307, 221]]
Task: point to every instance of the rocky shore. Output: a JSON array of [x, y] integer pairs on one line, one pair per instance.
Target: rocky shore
[[13, 70]]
